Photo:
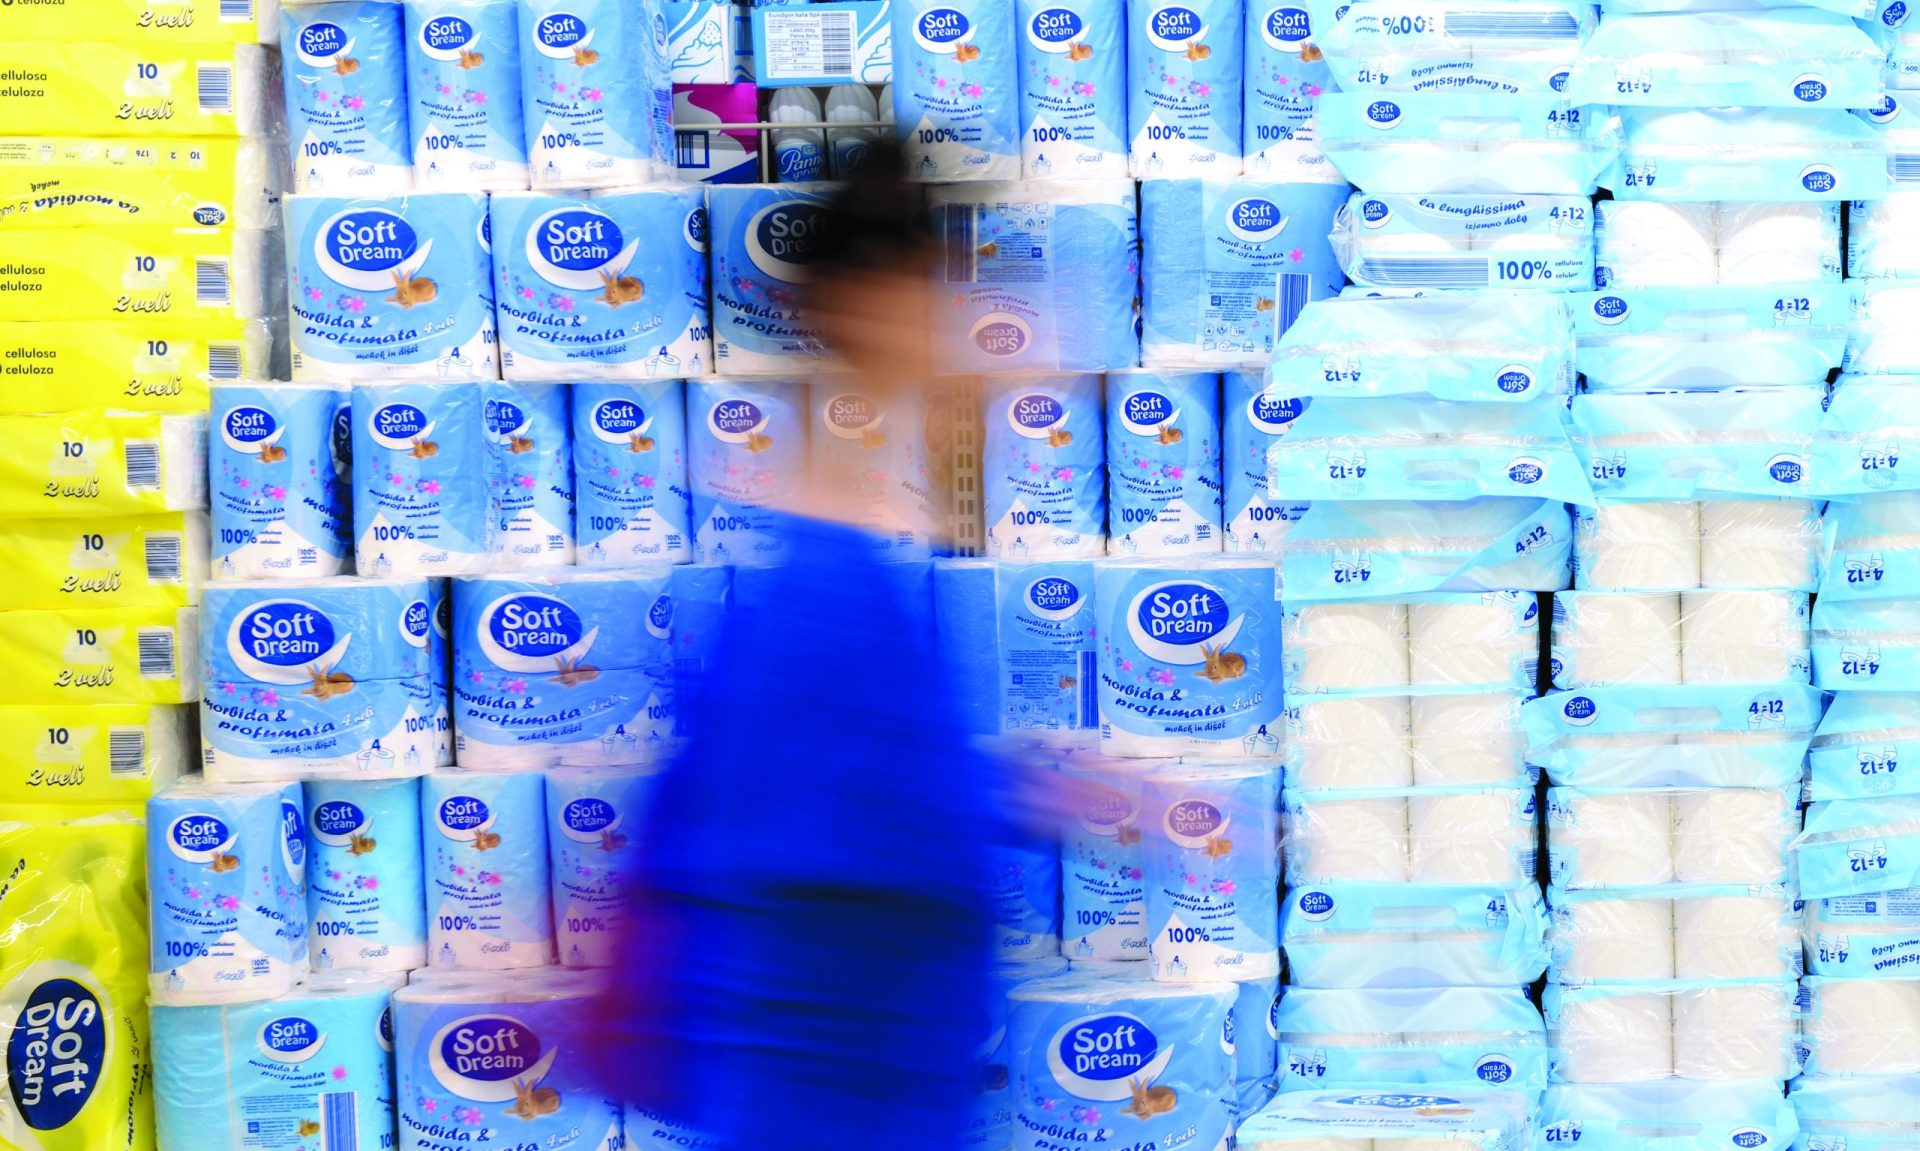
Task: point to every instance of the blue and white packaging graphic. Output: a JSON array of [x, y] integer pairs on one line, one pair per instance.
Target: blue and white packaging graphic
[[1671, 735], [1036, 276], [1500, 347], [1425, 46], [630, 473], [1697, 445], [1043, 467], [1018, 640], [463, 94], [1538, 243], [1856, 447], [1863, 936], [1870, 552], [1163, 463], [746, 457], [1861, 742], [1286, 73], [764, 238], [1689, 1116], [607, 285], [227, 886], [1789, 57], [1866, 645], [1184, 85], [1095, 1057], [316, 677], [344, 66], [709, 43], [593, 824], [420, 479], [509, 1053], [1342, 550], [1859, 848], [484, 854], [1454, 1118], [1701, 153], [1661, 339], [278, 488], [1211, 834], [1219, 298], [529, 473], [314, 1063], [873, 448], [394, 289], [1102, 861], [956, 88], [366, 899], [1413, 935], [1870, 1114], [1025, 895], [1190, 658], [567, 666], [1256, 1044], [592, 79], [1414, 1037], [1073, 88], [1466, 142], [1251, 420]]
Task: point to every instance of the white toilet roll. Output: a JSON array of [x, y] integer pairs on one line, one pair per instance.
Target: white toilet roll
[[1363, 742], [1734, 1031], [1759, 543], [1779, 243], [1618, 639], [1349, 839], [1472, 642], [1649, 245], [1344, 646], [1621, 840], [1614, 1039], [1638, 547], [1863, 1026], [1614, 939], [1731, 836], [1468, 839], [1745, 636], [1734, 937], [1622, 751], [1467, 739]]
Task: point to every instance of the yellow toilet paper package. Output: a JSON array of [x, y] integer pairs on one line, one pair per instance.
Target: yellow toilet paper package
[[140, 21], [78, 182], [99, 463], [101, 655], [139, 363], [157, 560], [82, 755], [120, 273], [67, 88], [77, 1072]]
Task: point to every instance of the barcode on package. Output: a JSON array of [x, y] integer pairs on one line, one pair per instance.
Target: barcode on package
[[1290, 291], [163, 557], [212, 283], [223, 361], [339, 1121], [143, 465], [236, 11], [157, 653], [1904, 167], [807, 45], [963, 244], [126, 751], [216, 89]]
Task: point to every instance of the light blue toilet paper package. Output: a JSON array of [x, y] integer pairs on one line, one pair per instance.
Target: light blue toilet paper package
[[1424, 1037], [484, 835], [1256, 1045], [874, 447], [1672, 735], [420, 479], [746, 456], [1875, 1114], [399, 288], [1218, 298], [594, 817], [1455, 142], [463, 94], [1866, 645], [529, 473], [991, 1128], [1860, 745], [1286, 73], [630, 472], [1541, 243], [1251, 420], [314, 1063], [1415, 46], [1018, 639], [1036, 276], [1026, 902], [1184, 85], [1587, 826], [1476, 832], [1699, 154], [1366, 550], [1102, 861], [1870, 553], [1857, 447], [1212, 862], [1043, 467], [1163, 463], [1675, 1115], [1863, 936], [956, 90], [1657, 339], [764, 239], [1698, 445], [277, 482], [366, 901], [1501, 347], [594, 90], [1640, 933], [344, 67], [1414, 448], [1359, 934], [1073, 88], [1399, 1116], [1787, 57], [1851, 847]]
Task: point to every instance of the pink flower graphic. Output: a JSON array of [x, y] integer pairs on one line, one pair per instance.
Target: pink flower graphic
[[354, 102], [340, 1072], [526, 293], [277, 492], [430, 487], [230, 902], [525, 481], [354, 304], [193, 893], [1162, 676], [591, 94], [1126, 665], [972, 90], [646, 481], [1223, 886], [228, 689], [1313, 89], [1203, 89], [564, 303], [1296, 255], [477, 97], [270, 697], [313, 294], [517, 685], [477, 677]]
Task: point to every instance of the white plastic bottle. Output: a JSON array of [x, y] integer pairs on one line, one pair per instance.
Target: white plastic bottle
[[850, 104], [799, 154]]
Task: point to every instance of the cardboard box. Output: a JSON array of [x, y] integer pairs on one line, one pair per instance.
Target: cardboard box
[[709, 42], [711, 155]]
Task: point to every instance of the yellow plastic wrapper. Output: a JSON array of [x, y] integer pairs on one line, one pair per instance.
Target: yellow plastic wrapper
[[70, 88], [101, 655], [83, 182], [121, 273], [131, 561], [77, 1072], [102, 464], [140, 21], [139, 363], [79, 755]]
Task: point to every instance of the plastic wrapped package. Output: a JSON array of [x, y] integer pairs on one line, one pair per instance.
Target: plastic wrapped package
[[1697, 444], [1525, 48], [1777, 57], [1773, 544], [1102, 860], [1442, 643], [1638, 547], [1212, 867], [1868, 936], [1873, 550], [1672, 1115], [1883, 238], [1706, 735], [1745, 636], [1466, 142], [1647, 244], [1494, 346], [1866, 645], [1338, 647], [1347, 549], [1451, 835], [1619, 837], [1458, 1119], [1654, 339], [1539, 243], [1251, 420], [1854, 1027], [1461, 740], [1695, 154], [1850, 847], [1878, 1114], [1724, 931], [1412, 1037], [1857, 447], [1413, 935], [1862, 740], [1607, 639], [1678, 1029], [1395, 741], [1881, 342]]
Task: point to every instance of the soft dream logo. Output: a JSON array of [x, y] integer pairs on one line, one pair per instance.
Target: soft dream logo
[[416, 622], [369, 249], [338, 822], [505, 421], [736, 421], [851, 416], [198, 837], [58, 1045], [448, 39], [621, 422], [1274, 415], [1107, 811], [488, 1058], [285, 641], [1038, 416], [290, 1039], [1810, 88], [1255, 220], [464, 818], [784, 238], [1180, 622], [1375, 213], [1172, 27], [561, 36], [1287, 29], [1194, 824], [1094, 1058], [321, 43], [1383, 114], [589, 819], [1056, 31], [1146, 413], [1580, 711], [578, 249], [660, 617], [1054, 598], [1315, 906], [399, 426], [251, 429], [1001, 334], [533, 633], [943, 30]]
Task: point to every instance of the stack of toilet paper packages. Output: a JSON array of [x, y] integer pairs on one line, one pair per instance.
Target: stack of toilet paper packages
[[1415, 1038], [1870, 1114], [1675, 1114], [1306, 1119]]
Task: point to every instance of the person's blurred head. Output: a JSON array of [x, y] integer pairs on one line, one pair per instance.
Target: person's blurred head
[[871, 273]]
